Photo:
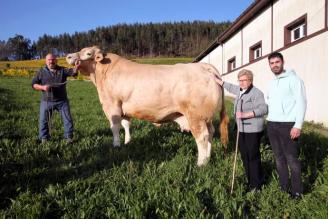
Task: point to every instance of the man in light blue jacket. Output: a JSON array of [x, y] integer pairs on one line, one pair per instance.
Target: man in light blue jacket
[[287, 105]]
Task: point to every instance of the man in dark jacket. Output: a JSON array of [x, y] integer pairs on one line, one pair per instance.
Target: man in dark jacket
[[51, 80]]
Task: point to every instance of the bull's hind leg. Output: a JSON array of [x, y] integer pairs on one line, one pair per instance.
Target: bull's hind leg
[[183, 123], [126, 125], [201, 134], [211, 131]]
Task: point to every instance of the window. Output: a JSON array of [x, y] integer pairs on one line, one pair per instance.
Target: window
[[296, 30], [255, 51], [232, 64]]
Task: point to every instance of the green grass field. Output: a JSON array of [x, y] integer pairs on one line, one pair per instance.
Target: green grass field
[[154, 176]]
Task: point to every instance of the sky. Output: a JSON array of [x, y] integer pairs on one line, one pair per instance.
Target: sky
[[34, 18]]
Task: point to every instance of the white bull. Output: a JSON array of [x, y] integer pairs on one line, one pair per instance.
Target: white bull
[[184, 93]]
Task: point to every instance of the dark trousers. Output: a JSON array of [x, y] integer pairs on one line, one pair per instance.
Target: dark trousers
[[46, 111], [286, 152], [249, 147]]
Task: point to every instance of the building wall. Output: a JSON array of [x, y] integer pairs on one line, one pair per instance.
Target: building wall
[[255, 31], [311, 65], [262, 75], [286, 11], [326, 24], [308, 57], [215, 58], [232, 48], [314, 73]]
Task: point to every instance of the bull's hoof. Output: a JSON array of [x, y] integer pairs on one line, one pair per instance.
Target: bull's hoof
[[117, 145], [202, 162], [127, 140]]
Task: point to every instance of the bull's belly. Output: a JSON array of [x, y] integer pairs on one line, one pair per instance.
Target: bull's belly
[[152, 114]]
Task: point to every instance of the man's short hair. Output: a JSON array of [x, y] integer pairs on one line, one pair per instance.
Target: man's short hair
[[276, 55], [51, 54]]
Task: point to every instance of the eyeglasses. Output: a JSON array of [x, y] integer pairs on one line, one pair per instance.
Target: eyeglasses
[[243, 80]]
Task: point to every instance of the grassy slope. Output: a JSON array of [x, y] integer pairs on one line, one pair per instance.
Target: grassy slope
[[154, 176]]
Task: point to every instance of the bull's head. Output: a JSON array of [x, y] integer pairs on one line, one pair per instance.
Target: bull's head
[[72, 58], [86, 66], [91, 53], [88, 58]]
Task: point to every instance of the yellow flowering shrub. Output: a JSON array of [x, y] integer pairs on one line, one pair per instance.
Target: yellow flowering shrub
[[29, 63], [28, 68], [17, 72]]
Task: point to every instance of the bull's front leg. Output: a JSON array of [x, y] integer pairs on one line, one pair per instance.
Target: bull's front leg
[[113, 113], [115, 125], [126, 125]]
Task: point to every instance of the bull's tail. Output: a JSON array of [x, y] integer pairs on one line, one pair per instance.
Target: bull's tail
[[224, 121]]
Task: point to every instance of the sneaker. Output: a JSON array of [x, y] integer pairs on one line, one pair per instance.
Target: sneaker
[[44, 140], [296, 196]]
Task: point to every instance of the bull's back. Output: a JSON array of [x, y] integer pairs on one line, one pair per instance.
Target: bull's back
[[153, 92]]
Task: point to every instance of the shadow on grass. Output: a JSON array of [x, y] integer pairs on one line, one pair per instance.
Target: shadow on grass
[[8, 117], [51, 167], [314, 149], [151, 145], [10, 134]]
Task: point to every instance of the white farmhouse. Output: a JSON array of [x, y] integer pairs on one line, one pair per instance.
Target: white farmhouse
[[296, 28]]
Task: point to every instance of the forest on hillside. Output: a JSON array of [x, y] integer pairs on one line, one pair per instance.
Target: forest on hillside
[[176, 39]]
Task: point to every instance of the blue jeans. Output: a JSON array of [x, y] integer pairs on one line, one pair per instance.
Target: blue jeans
[[46, 111]]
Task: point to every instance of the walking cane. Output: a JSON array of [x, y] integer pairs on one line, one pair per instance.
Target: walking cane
[[236, 151], [234, 162]]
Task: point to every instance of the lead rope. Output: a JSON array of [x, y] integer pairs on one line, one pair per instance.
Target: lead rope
[[49, 111]]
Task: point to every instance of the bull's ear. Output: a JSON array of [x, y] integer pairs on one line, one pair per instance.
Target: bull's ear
[[99, 56]]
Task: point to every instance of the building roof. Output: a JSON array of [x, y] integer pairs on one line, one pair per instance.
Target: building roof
[[255, 8]]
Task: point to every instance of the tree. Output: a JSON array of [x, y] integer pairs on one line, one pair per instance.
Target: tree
[[150, 39], [19, 47], [4, 51]]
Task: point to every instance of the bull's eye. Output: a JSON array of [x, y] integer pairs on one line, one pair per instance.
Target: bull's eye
[[69, 57], [89, 54]]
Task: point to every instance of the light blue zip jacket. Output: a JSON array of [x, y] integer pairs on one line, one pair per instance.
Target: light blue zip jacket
[[286, 99]]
